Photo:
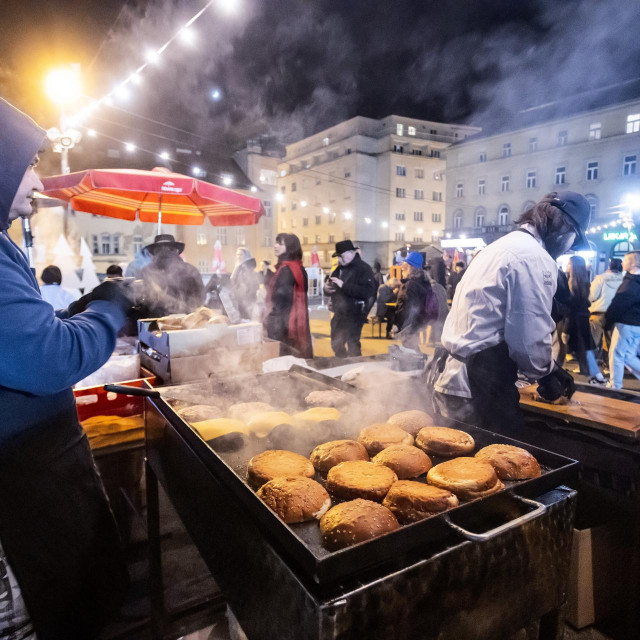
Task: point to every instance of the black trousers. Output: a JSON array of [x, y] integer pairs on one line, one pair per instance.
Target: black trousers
[[345, 335], [495, 401]]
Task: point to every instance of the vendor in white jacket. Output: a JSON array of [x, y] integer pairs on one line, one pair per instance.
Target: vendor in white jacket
[[500, 320]]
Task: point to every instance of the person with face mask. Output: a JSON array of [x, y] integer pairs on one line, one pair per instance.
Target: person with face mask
[[62, 572], [352, 288], [500, 321]]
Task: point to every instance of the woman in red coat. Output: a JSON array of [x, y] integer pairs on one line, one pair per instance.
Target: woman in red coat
[[287, 311]]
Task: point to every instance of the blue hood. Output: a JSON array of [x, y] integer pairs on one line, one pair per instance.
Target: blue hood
[[20, 140]]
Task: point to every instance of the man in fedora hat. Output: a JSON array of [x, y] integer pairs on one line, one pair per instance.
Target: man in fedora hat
[[352, 288], [171, 284]]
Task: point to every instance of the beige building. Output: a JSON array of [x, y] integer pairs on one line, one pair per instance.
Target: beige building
[[491, 180], [379, 183]]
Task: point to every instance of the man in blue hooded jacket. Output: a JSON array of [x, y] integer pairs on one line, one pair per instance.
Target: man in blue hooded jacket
[[59, 550]]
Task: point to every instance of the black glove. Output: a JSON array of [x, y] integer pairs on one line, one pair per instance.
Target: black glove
[[110, 290], [556, 384]]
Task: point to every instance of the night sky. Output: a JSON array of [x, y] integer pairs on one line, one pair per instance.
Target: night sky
[[293, 67]]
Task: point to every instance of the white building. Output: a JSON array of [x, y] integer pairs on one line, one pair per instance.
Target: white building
[[492, 179], [379, 183]]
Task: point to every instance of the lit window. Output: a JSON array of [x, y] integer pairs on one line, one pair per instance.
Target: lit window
[[411, 131], [504, 184], [317, 239], [459, 190], [418, 194], [503, 216], [595, 131], [629, 166], [325, 141], [419, 173], [533, 144], [633, 123], [561, 175], [592, 170], [418, 216], [531, 179], [400, 192], [483, 156], [400, 170], [482, 185], [400, 129], [562, 138], [201, 238], [506, 149]]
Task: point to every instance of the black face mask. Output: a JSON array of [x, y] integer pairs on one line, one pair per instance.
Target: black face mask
[[558, 244]]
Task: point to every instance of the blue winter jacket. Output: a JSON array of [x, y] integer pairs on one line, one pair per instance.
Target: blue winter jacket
[[41, 355]]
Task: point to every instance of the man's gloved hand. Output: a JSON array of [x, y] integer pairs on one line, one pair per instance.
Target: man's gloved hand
[[110, 290], [556, 384]]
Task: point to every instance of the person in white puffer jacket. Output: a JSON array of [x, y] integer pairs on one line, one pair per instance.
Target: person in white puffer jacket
[[603, 288]]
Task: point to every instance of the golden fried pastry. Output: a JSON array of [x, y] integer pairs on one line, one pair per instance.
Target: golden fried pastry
[[328, 398], [246, 410], [316, 414], [411, 501], [295, 498], [329, 454], [262, 423], [468, 478], [377, 437], [404, 460], [276, 463], [442, 441], [209, 429], [359, 479], [510, 463], [200, 412], [355, 521], [411, 421]]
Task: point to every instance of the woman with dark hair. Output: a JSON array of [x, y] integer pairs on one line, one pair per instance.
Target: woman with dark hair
[[580, 339], [286, 310]]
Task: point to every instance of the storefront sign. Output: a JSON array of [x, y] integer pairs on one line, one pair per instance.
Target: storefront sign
[[619, 235]]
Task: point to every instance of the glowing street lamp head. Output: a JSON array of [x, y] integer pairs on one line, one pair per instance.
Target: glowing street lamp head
[[63, 85], [130, 147], [164, 155], [227, 181], [216, 95]]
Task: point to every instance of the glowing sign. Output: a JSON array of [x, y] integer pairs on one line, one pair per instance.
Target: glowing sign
[[620, 235]]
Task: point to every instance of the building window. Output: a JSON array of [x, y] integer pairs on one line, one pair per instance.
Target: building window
[[531, 179], [400, 170], [398, 148], [479, 217], [283, 209], [592, 170], [222, 234], [266, 238], [503, 215], [399, 129], [527, 205], [96, 245], [345, 236], [629, 166], [506, 149], [418, 216], [332, 217], [417, 238], [318, 219], [593, 204], [595, 131], [416, 152], [437, 196], [561, 175], [294, 186], [283, 189], [418, 194], [399, 235], [436, 217], [400, 192], [437, 175], [457, 219], [105, 243], [483, 156], [294, 223], [203, 266], [332, 238], [434, 153], [294, 206], [137, 244], [533, 144], [347, 173], [201, 238], [400, 216], [305, 240], [504, 184], [419, 173], [267, 208], [459, 190], [116, 244], [482, 184], [348, 150], [562, 138], [433, 132], [411, 131], [633, 123], [305, 222]]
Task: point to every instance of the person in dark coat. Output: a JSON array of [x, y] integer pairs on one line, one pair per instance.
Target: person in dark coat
[[624, 314], [62, 572], [411, 311], [286, 307], [387, 293], [580, 338], [352, 288], [439, 271], [377, 273], [244, 282], [171, 285], [455, 277]]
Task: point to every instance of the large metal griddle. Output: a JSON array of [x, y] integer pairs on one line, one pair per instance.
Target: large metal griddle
[[302, 542]]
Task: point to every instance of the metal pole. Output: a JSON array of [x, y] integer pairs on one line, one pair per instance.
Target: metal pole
[[64, 169]]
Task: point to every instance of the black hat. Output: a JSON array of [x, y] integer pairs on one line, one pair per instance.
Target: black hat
[[165, 240], [577, 208], [342, 246]]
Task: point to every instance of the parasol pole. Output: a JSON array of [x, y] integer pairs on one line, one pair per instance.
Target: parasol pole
[[159, 214]]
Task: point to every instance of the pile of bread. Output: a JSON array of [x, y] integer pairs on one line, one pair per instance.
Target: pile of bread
[[198, 319], [377, 477]]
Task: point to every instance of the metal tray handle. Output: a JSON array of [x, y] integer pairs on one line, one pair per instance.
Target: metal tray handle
[[512, 524]]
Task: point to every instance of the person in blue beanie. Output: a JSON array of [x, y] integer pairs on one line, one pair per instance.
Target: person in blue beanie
[[61, 566]]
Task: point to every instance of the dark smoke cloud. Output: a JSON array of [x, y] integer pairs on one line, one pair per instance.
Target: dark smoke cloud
[[293, 67]]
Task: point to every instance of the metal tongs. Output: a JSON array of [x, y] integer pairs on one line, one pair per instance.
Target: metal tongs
[[132, 391]]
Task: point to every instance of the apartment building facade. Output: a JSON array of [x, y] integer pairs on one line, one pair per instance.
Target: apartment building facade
[[491, 180], [379, 183]]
